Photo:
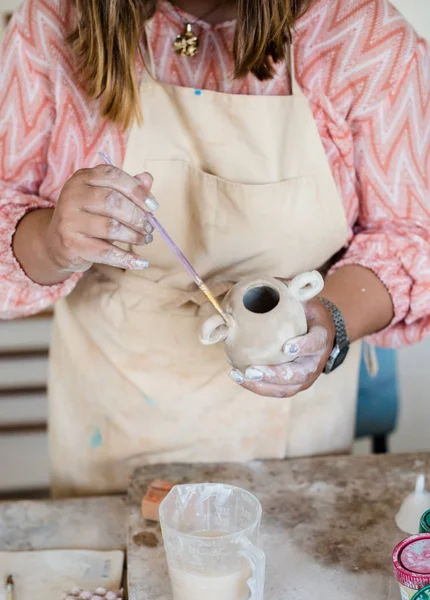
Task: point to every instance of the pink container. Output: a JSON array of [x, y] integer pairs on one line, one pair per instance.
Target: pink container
[[411, 562]]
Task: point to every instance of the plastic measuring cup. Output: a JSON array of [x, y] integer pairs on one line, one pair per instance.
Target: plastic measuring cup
[[210, 531]]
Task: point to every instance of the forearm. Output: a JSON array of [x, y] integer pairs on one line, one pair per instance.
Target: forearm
[[362, 298], [31, 250]]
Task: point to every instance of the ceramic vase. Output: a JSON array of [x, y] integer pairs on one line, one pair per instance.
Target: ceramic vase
[[265, 313]]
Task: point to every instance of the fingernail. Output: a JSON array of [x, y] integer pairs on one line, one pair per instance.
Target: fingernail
[[149, 228], [149, 238], [151, 204], [253, 374], [236, 376], [140, 263], [290, 349], [149, 175]]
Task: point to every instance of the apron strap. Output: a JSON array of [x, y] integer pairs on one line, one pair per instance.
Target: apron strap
[[292, 68], [149, 53]]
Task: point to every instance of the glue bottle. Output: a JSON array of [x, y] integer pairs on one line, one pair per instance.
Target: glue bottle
[[411, 511]]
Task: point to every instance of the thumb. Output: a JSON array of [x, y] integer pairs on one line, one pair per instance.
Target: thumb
[[146, 180]]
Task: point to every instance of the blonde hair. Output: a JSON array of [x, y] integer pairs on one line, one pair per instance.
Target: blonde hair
[[106, 43]]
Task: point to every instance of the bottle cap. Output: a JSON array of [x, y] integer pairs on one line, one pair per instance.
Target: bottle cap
[[425, 522], [423, 594], [411, 561]]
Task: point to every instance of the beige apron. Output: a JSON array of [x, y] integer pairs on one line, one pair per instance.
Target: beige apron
[[245, 188]]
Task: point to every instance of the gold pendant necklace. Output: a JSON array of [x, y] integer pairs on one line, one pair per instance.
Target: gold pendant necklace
[[187, 42]]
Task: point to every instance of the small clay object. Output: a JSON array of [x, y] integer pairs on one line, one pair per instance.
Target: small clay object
[[98, 594], [155, 494], [146, 538], [265, 313]]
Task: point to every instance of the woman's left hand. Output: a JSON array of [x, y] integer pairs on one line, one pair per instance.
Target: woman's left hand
[[310, 353]]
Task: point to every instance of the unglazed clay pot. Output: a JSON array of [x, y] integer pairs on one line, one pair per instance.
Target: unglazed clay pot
[[265, 313]]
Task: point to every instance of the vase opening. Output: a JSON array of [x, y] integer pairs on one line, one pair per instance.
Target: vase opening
[[261, 299]]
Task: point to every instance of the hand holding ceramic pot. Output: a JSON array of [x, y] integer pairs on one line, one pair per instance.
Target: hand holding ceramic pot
[[309, 352], [281, 337]]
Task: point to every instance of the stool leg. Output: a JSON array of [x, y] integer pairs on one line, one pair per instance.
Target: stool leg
[[379, 444]]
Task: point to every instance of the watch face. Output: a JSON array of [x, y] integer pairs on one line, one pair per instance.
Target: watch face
[[338, 356]]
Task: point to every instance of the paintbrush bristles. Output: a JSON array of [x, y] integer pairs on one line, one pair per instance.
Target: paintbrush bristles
[[203, 287]]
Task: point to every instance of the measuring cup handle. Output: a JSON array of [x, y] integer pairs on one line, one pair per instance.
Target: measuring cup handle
[[257, 561]]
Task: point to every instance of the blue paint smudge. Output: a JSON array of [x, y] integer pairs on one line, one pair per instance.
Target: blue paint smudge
[[149, 401], [96, 439], [198, 92]]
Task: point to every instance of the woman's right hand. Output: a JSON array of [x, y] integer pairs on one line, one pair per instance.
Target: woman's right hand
[[96, 208]]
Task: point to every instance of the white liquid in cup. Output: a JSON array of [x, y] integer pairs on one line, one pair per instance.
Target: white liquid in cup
[[188, 586], [191, 586]]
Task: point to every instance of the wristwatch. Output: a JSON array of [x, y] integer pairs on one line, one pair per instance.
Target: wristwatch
[[341, 342]]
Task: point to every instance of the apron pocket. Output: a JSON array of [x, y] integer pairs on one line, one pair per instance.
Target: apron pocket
[[232, 229]]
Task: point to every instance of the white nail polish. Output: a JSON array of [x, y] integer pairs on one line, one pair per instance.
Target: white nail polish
[[149, 228], [140, 263], [236, 376], [253, 374], [291, 348], [149, 238], [151, 204]]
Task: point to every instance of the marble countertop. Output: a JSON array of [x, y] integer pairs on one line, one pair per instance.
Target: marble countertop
[[90, 523], [328, 528]]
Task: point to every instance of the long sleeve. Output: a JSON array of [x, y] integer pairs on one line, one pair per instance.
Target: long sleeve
[[389, 118], [27, 114]]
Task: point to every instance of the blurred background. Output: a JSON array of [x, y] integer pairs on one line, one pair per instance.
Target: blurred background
[[23, 372]]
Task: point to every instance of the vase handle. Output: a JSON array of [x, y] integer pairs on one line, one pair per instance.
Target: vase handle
[[306, 286], [213, 330]]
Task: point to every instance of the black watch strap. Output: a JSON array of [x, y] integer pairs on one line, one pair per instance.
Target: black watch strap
[[341, 343]]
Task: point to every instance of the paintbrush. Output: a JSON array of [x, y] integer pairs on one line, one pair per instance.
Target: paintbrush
[[182, 258], [9, 588]]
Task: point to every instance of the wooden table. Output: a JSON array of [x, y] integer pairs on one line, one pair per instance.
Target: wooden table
[[328, 528]]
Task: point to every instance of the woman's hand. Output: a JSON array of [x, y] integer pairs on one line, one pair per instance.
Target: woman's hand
[[310, 353], [96, 208]]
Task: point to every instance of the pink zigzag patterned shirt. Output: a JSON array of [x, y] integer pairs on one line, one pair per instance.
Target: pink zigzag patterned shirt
[[364, 70]]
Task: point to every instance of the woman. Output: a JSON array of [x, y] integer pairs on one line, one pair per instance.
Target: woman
[[265, 158]]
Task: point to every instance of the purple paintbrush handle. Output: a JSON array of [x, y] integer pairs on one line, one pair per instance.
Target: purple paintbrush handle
[[174, 248]]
